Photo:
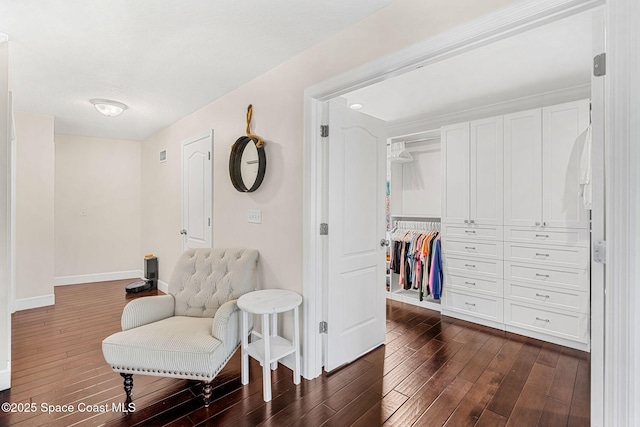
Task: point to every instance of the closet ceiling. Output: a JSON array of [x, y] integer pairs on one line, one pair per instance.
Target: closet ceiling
[[550, 58], [163, 58]]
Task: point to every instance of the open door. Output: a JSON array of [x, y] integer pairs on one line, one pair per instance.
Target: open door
[[355, 301], [197, 192]]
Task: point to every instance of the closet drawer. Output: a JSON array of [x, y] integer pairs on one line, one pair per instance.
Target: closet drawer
[[485, 286], [472, 231], [474, 305], [563, 299], [564, 324], [557, 236], [562, 256], [568, 278], [484, 249], [472, 267]]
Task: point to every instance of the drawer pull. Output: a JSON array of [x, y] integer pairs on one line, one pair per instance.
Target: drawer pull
[[546, 276], [543, 296], [470, 231], [542, 320], [542, 235], [470, 248], [538, 254], [470, 265], [469, 304], [470, 283]]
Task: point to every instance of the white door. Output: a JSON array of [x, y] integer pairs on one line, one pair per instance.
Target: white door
[[355, 304], [523, 168], [562, 204], [486, 168], [197, 192], [455, 166]]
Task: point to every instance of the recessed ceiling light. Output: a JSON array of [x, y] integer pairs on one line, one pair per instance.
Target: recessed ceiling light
[[355, 106], [108, 107]]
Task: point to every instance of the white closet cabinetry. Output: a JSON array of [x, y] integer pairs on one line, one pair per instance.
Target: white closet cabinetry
[[518, 262], [472, 220], [472, 161], [546, 236], [542, 166]]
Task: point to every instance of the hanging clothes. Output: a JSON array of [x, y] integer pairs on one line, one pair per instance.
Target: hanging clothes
[[412, 258]]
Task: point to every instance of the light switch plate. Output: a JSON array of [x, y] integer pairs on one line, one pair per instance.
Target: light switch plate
[[254, 216]]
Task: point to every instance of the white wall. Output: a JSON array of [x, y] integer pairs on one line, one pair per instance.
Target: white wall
[[5, 315], [34, 210], [421, 193], [98, 209], [277, 98]]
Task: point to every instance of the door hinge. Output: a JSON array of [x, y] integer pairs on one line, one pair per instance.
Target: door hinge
[[324, 229], [600, 65], [600, 252], [323, 327], [324, 131], [209, 222], [209, 155]]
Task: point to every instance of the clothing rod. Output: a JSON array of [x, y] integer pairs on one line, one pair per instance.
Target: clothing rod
[[415, 218], [431, 138]]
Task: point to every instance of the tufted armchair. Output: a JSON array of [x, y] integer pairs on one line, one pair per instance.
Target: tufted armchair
[[193, 330]]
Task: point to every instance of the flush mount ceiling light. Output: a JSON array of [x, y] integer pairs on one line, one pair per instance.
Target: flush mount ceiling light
[[356, 106], [108, 107]]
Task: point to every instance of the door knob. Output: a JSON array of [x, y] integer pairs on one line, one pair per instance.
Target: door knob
[[384, 242], [183, 231]]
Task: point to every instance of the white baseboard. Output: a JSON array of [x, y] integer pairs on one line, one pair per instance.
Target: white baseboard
[[162, 286], [35, 302], [99, 277], [5, 378]]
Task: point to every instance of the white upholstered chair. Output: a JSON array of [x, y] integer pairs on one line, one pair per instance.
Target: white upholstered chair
[[191, 332]]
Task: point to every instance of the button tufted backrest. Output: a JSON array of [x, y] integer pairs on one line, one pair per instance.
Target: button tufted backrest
[[204, 279]]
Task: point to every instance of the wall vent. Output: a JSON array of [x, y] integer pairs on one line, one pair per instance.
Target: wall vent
[[163, 155]]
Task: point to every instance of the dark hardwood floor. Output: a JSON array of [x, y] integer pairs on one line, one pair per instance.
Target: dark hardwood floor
[[432, 371]]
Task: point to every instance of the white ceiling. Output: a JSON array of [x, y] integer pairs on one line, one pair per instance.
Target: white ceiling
[[553, 57], [163, 58]]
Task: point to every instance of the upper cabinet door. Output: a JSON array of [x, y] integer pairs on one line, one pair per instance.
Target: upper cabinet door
[[486, 169], [455, 166], [523, 168], [562, 199]]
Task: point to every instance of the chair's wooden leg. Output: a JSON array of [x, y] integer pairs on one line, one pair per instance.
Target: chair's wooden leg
[[128, 386], [207, 392]]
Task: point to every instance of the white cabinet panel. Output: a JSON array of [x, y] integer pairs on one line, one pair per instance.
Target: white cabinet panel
[[564, 324], [455, 160], [486, 286], [473, 267], [472, 231], [474, 305], [523, 168], [569, 278], [482, 249], [562, 201], [561, 256], [486, 171], [555, 298], [547, 236]]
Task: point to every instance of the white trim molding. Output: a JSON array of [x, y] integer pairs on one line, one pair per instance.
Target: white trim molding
[[35, 302], [5, 378], [98, 277], [622, 159], [520, 17], [163, 286]]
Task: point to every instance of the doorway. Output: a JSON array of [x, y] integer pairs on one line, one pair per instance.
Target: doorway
[[430, 58]]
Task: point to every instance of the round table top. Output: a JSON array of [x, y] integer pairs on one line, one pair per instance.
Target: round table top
[[269, 301]]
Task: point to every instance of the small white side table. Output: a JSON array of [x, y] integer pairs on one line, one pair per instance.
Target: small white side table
[[271, 347]]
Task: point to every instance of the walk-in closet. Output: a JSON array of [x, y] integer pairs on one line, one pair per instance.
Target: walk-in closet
[[488, 183]]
